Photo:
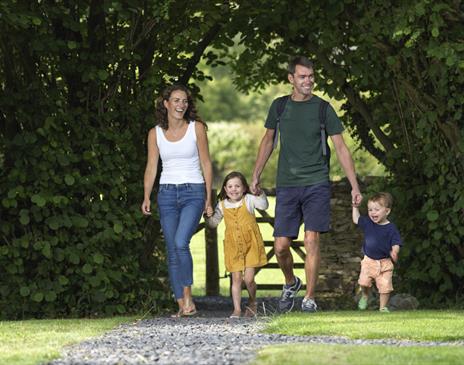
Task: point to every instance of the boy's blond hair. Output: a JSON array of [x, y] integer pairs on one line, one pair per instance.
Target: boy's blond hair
[[384, 199]]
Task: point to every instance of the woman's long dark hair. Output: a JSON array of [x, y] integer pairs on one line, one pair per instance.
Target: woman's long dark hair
[[161, 113], [222, 194]]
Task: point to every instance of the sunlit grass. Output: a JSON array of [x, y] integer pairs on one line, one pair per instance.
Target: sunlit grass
[[38, 341], [359, 355], [407, 325], [411, 325]]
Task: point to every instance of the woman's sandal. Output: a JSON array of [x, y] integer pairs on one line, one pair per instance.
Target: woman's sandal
[[178, 314], [190, 311]]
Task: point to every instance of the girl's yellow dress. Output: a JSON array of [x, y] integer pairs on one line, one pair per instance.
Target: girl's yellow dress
[[243, 243]]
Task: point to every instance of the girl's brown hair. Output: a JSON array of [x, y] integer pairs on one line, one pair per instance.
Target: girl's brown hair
[[161, 113], [222, 194]]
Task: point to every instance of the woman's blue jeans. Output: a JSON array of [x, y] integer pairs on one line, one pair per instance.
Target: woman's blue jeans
[[180, 209]]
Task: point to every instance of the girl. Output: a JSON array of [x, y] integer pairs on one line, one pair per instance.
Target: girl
[[179, 139], [243, 243]]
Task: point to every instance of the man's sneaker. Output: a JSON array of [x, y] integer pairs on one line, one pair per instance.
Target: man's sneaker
[[362, 304], [308, 305], [287, 299]]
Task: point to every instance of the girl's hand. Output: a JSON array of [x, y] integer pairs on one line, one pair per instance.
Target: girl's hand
[[146, 207]]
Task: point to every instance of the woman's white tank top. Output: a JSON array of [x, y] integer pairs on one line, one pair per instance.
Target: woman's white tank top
[[181, 162]]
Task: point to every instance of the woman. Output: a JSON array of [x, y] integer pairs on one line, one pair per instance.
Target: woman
[[184, 194]]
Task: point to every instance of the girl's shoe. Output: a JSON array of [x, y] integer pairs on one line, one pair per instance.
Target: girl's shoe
[[251, 310], [362, 304], [235, 315]]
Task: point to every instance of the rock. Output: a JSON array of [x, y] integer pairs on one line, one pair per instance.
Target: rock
[[403, 301]]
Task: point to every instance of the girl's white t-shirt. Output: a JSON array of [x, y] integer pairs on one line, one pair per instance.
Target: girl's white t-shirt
[[252, 202], [180, 159]]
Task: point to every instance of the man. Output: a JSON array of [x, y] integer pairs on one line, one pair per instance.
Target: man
[[303, 187]]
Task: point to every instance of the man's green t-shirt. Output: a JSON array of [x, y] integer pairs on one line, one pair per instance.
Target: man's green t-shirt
[[301, 162]]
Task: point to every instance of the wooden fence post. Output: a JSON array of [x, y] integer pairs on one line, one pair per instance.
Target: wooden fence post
[[212, 260]]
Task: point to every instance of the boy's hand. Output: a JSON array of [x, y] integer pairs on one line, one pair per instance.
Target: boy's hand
[[394, 253]]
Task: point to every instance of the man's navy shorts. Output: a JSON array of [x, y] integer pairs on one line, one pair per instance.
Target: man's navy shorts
[[308, 204]]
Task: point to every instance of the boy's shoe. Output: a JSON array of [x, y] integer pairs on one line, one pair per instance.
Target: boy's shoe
[[384, 310], [308, 305], [287, 299], [362, 304]]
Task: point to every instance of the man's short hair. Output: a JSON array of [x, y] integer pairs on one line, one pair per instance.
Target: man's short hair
[[299, 60], [384, 199]]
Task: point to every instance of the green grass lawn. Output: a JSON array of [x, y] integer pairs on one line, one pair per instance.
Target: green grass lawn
[[359, 355], [407, 325], [38, 341], [423, 325]]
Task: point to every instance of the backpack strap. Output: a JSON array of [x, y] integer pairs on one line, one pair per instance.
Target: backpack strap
[[281, 102], [322, 119]]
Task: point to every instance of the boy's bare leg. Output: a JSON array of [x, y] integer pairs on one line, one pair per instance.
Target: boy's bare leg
[[365, 291], [237, 292], [312, 261], [383, 299], [284, 258]]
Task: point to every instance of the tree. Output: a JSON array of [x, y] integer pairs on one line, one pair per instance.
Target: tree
[[76, 99], [399, 66]]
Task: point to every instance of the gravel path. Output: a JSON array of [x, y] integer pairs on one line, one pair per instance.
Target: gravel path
[[209, 338]]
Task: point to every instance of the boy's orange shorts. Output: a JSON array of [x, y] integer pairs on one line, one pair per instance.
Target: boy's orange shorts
[[379, 270]]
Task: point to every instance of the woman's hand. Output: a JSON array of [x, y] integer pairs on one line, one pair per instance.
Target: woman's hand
[[146, 207], [208, 210]]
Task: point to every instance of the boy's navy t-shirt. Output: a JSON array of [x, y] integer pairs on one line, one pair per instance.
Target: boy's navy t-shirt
[[378, 238]]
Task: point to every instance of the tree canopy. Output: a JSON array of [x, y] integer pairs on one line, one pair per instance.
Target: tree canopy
[[399, 67], [76, 98]]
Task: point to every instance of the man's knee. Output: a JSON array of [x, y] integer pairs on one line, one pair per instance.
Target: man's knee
[[312, 243], [282, 246]]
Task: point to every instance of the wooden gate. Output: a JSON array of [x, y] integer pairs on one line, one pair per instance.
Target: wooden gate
[[212, 260]]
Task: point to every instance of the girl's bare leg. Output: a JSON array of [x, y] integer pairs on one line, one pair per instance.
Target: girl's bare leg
[[236, 292], [251, 287]]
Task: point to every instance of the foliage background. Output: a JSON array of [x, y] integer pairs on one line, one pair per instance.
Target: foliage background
[[77, 90], [77, 84]]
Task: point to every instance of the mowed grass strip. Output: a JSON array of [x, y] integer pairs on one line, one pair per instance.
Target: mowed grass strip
[[38, 341], [359, 355], [420, 325]]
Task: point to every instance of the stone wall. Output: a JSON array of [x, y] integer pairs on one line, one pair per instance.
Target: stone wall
[[340, 252]]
